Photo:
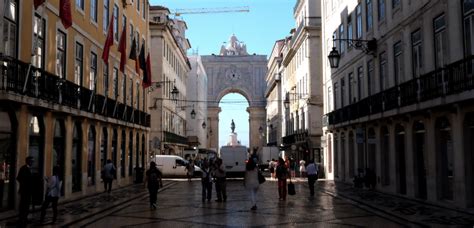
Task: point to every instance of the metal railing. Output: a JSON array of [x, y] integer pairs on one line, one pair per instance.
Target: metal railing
[[40, 84], [452, 79]]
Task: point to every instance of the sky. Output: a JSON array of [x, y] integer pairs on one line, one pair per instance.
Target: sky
[[267, 21]]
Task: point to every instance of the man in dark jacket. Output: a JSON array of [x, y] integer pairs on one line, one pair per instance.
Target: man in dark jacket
[[25, 179]]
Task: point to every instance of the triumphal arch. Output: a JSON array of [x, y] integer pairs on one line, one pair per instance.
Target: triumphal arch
[[236, 71]]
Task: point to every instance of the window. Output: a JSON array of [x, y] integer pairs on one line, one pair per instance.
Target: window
[[381, 10], [341, 41], [94, 10], [78, 64], [440, 41], [395, 4], [80, 4], [124, 89], [360, 82], [138, 95], [106, 80], [115, 81], [116, 22], [61, 54], [351, 89], [369, 14], [343, 90], [417, 53], [138, 5], [144, 9], [93, 72], [336, 106], [9, 40], [131, 92], [131, 34], [370, 78], [38, 42], [383, 71], [330, 99], [105, 17], [334, 37], [124, 21], [397, 62], [359, 21], [350, 34]]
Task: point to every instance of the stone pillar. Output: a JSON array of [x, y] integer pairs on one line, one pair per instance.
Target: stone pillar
[[68, 125], [213, 123], [256, 120], [460, 181], [48, 143], [410, 160], [431, 156], [84, 154], [393, 159]]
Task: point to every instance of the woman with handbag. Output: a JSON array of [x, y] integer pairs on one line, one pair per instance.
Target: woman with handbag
[[251, 181]]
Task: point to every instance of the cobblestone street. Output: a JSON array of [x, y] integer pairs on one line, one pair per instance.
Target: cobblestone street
[[179, 205]]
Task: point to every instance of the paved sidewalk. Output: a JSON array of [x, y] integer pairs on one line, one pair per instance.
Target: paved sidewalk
[[77, 210], [412, 211]]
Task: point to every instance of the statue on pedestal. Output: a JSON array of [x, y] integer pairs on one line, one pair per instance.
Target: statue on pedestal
[[232, 126]]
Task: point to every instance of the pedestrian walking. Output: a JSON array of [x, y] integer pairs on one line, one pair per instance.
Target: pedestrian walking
[[53, 192], [302, 168], [206, 182], [190, 169], [108, 175], [272, 165], [281, 175], [25, 179], [153, 183], [251, 181], [220, 179], [312, 172], [292, 167]]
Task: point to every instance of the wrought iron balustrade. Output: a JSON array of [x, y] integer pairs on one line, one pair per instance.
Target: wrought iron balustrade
[[174, 138], [20, 78], [455, 78]]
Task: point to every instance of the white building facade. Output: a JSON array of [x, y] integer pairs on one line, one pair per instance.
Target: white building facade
[[170, 68], [403, 111], [301, 86]]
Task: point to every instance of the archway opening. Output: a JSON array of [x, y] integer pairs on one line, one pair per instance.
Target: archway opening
[[234, 107]]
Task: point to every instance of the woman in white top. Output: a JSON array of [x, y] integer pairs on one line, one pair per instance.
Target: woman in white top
[[251, 181], [302, 168], [53, 192]]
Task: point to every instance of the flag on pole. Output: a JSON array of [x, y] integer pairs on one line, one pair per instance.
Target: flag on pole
[[65, 13], [38, 3], [147, 73], [123, 49], [108, 41], [133, 55]]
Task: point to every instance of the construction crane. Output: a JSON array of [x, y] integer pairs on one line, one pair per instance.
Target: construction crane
[[240, 9]]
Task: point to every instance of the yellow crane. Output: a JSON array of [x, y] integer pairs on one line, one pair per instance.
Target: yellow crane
[[239, 9]]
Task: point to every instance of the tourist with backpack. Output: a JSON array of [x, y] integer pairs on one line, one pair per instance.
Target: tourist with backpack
[[153, 182]]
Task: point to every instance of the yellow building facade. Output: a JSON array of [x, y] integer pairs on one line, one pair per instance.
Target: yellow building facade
[[62, 104]]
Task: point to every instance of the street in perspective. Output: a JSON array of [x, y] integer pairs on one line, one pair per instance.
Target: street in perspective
[[237, 113]]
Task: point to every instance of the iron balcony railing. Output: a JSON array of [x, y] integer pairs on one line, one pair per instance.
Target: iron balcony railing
[[452, 79], [174, 138], [46, 86], [298, 136]]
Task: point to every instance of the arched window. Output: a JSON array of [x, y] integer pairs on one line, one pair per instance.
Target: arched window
[[137, 145], [336, 156], [419, 163], [7, 162], [91, 156], [400, 164], [143, 151], [114, 147], [342, 154], [130, 154], [122, 155], [469, 157], [103, 147], [59, 149], [385, 155], [36, 145], [445, 158], [76, 158], [351, 151]]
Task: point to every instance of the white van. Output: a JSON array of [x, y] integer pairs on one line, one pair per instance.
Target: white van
[[174, 166], [234, 159]]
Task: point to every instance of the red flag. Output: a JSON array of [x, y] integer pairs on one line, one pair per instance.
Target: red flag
[[147, 74], [123, 49], [37, 3], [65, 13], [108, 41]]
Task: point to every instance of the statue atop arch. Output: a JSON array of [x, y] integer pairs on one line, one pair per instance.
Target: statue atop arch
[[232, 126], [234, 47]]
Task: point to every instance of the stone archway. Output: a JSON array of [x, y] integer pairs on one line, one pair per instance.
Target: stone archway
[[235, 71]]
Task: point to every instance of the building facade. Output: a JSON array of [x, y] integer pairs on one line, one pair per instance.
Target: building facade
[[196, 110], [168, 94], [274, 96], [301, 86], [402, 111], [63, 105]]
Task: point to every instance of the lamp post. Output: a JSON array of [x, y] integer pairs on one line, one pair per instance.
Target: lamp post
[[367, 46]]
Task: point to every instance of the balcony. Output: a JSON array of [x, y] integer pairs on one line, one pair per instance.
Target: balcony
[[174, 138], [55, 90], [298, 136], [453, 79]]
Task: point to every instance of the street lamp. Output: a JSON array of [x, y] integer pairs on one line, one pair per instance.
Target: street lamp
[[193, 114], [367, 46], [174, 94], [204, 125]]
